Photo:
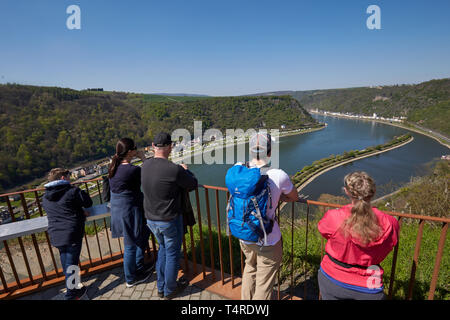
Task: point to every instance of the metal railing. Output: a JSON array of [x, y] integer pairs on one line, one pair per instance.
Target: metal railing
[[196, 245]]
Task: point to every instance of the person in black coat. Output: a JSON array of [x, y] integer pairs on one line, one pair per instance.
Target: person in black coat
[[165, 186], [64, 205]]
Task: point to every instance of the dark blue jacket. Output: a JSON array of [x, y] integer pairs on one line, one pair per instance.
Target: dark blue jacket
[[127, 211], [64, 205], [128, 220]]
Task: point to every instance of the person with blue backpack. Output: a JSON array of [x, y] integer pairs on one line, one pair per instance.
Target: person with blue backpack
[[255, 190]]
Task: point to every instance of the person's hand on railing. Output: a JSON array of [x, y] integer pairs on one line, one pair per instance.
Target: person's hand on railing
[[86, 213], [302, 198], [290, 197]]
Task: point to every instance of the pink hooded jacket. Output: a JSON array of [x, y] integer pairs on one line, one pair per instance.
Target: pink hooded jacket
[[351, 251]]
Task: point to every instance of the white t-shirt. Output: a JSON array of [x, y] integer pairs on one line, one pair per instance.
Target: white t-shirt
[[279, 183]]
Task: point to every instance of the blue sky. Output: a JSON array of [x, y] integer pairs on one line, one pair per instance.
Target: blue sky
[[225, 47]]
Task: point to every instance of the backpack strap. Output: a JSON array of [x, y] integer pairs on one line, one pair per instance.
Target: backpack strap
[[263, 171], [270, 197], [258, 216], [228, 208]]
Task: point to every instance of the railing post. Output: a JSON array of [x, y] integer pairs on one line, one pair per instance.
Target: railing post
[[88, 251], [33, 237], [437, 262], [98, 242], [186, 265], [230, 248], [194, 258], [278, 271], [85, 237], [11, 262], [46, 234], [99, 192], [211, 245], [306, 251], [107, 238], [415, 259], [219, 235], [4, 284], [202, 247], [292, 249], [394, 262]]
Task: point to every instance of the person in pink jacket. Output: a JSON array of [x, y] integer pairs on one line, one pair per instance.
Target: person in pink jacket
[[359, 238]]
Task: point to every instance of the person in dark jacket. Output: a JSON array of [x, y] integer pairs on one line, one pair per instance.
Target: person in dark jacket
[[163, 184], [127, 211], [64, 205]]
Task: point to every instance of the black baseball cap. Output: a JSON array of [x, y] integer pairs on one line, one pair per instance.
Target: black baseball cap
[[162, 139]]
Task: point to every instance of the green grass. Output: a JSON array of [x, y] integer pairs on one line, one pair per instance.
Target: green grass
[[215, 241]]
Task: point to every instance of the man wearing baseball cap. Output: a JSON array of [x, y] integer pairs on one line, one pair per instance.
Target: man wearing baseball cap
[[162, 183], [263, 260]]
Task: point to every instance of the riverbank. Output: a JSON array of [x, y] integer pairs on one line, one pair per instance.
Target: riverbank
[[241, 141], [399, 125], [314, 176], [317, 174]]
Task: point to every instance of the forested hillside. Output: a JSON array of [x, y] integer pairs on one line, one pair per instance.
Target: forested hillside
[[45, 127], [427, 103]]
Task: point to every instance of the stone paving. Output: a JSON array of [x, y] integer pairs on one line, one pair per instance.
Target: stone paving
[[110, 285]]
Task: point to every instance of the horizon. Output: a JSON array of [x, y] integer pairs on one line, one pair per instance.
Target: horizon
[[194, 95], [223, 48]]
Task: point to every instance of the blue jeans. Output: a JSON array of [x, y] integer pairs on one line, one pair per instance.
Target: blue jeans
[[169, 235], [70, 255], [133, 262]]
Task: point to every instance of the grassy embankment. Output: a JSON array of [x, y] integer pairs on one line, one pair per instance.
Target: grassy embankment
[[323, 164]]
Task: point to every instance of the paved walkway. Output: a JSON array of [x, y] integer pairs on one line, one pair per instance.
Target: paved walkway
[[110, 285]]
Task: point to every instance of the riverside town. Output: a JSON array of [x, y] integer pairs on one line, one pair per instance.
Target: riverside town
[[224, 159]]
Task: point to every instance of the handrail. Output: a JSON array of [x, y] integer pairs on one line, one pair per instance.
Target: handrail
[[43, 189], [27, 227], [392, 213]]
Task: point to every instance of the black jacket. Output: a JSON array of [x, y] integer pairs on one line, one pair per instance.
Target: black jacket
[[163, 182], [64, 205]]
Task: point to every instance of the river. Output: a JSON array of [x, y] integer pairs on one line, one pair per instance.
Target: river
[[390, 170]]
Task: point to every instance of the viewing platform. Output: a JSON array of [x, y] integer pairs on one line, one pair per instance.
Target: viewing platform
[[109, 285], [212, 261]]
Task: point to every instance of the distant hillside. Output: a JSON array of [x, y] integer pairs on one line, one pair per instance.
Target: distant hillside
[[45, 127], [427, 103], [180, 94], [410, 197]]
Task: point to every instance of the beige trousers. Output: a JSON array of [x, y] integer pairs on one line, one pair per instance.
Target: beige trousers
[[261, 266]]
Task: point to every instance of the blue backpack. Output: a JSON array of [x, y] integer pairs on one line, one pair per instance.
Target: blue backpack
[[248, 204]]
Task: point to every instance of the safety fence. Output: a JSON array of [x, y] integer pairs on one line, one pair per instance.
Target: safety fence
[[205, 247]]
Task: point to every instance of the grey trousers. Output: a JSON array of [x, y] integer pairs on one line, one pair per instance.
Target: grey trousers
[[331, 291]]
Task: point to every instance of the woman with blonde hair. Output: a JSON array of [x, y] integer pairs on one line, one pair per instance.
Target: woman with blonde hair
[[359, 238]]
